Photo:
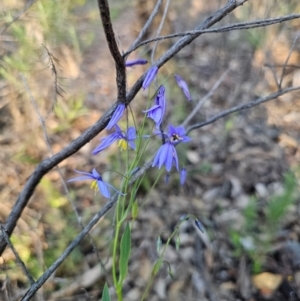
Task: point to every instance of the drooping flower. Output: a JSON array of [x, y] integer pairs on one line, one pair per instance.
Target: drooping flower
[[184, 87], [116, 116], [102, 186], [136, 62], [182, 176], [150, 76], [157, 111], [166, 154], [124, 138]]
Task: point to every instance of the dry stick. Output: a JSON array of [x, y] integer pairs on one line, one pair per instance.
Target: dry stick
[[65, 187], [135, 177], [58, 90], [235, 26], [241, 107], [27, 6], [114, 50], [274, 75], [280, 66], [205, 98], [146, 26], [162, 21], [19, 260], [287, 59]]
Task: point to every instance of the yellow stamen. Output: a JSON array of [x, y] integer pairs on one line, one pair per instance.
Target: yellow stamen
[[94, 185], [123, 144]]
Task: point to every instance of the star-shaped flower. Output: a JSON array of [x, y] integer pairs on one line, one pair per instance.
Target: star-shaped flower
[[166, 154], [97, 182], [125, 139]]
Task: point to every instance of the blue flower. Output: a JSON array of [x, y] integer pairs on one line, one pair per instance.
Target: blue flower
[[177, 135], [166, 154], [125, 139], [116, 116], [150, 76], [102, 186], [136, 62], [184, 87], [157, 111], [182, 176]]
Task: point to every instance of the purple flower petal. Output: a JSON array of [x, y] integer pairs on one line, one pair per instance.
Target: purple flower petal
[[106, 142], [118, 113], [150, 76], [136, 62], [175, 158], [166, 155], [169, 157], [80, 179], [184, 87], [131, 133], [103, 189], [157, 111]]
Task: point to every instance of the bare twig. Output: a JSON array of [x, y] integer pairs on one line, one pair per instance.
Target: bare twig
[[205, 98], [231, 27], [287, 59], [242, 107], [162, 21], [184, 41], [281, 65], [146, 26], [274, 75], [19, 260], [114, 50], [46, 165]]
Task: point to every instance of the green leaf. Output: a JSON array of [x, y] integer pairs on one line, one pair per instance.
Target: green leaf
[[125, 249], [105, 294]]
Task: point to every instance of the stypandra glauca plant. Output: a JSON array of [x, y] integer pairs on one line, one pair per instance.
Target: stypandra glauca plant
[[134, 141]]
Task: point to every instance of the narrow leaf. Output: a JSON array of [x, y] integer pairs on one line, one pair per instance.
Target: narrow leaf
[[157, 266], [125, 249], [105, 294]]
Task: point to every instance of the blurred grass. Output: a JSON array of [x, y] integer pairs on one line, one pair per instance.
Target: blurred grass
[[261, 224]]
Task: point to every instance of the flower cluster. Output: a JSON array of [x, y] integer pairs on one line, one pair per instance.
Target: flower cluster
[[166, 155]]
